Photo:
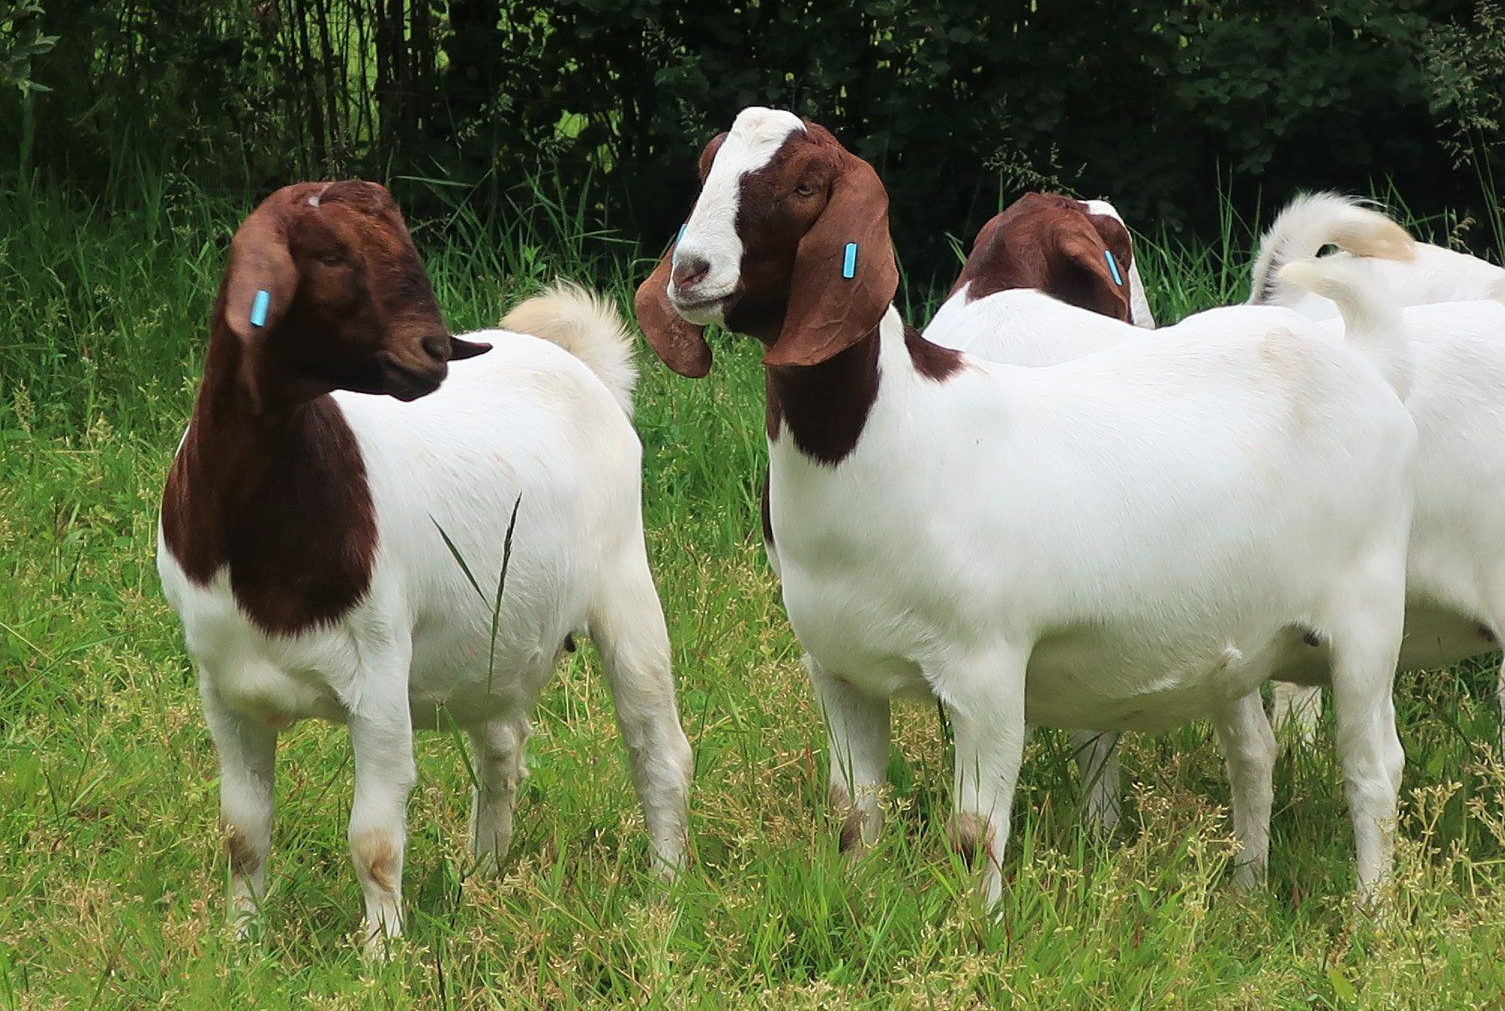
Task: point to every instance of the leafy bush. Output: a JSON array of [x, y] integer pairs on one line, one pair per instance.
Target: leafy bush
[[960, 103]]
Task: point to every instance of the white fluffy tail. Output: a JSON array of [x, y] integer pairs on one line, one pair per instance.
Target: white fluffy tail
[[1314, 220], [586, 325], [1371, 319]]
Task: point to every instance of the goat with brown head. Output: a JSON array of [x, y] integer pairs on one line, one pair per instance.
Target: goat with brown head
[[1056, 245], [788, 243], [307, 514], [324, 291]]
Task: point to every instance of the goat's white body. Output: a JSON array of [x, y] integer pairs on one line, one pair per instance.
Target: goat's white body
[[1023, 326], [1455, 583], [538, 425], [1379, 250], [1131, 539], [1091, 519], [1454, 595], [1435, 275], [527, 424], [1148, 531]]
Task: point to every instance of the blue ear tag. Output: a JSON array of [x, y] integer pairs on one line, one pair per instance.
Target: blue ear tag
[[1113, 266], [259, 306], [849, 262], [678, 237]]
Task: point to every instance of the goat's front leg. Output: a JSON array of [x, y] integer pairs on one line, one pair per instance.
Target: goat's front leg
[[984, 698], [859, 732], [247, 752], [381, 734], [1249, 750]]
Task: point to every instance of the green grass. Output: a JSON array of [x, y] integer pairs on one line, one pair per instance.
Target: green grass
[[111, 878]]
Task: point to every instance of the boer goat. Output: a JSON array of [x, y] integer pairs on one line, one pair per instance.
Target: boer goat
[[1457, 566], [1127, 541], [304, 525], [1076, 251], [1047, 246]]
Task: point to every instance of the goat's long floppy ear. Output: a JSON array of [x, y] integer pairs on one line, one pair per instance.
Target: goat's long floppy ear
[[1084, 277], [260, 282], [260, 278], [1116, 272], [844, 277], [680, 343]]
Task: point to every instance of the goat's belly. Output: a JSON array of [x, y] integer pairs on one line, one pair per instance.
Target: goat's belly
[[1437, 637], [457, 679], [1089, 680]]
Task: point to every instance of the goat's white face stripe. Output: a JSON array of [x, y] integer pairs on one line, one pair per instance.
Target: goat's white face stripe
[[711, 233]]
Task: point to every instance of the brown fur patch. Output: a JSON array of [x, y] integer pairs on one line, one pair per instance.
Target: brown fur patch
[[851, 820], [1052, 244], [930, 360], [970, 834], [377, 856], [825, 405], [284, 503], [243, 858]]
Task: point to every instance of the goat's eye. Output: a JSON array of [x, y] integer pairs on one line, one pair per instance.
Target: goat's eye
[[804, 190], [330, 258]]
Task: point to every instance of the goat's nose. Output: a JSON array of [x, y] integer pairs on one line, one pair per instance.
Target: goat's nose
[[689, 270], [437, 346]]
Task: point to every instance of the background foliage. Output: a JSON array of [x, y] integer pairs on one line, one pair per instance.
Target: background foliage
[[960, 103]]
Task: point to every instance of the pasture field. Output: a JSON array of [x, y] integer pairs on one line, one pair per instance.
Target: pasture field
[[111, 872]]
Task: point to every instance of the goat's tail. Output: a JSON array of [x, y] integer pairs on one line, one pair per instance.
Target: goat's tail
[[586, 325], [1370, 317], [1314, 220]]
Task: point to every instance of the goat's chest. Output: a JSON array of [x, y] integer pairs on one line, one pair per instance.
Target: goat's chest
[[275, 680], [863, 586]]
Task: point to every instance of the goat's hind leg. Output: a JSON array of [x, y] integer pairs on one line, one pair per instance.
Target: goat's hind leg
[[1096, 754], [498, 760], [1366, 629], [627, 626], [1298, 707]]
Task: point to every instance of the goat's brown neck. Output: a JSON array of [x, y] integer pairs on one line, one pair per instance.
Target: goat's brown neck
[[826, 406], [279, 495]]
